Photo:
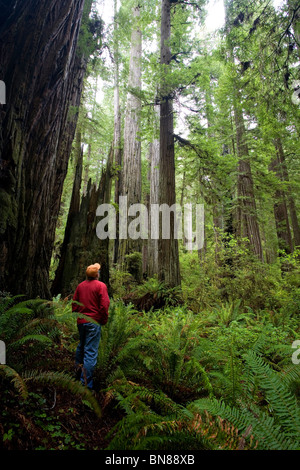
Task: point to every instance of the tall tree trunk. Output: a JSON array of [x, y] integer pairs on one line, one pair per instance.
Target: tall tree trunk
[[290, 198], [131, 171], [216, 203], [168, 256], [117, 129], [280, 211], [247, 223], [44, 79], [154, 193], [89, 151], [86, 169], [247, 212]]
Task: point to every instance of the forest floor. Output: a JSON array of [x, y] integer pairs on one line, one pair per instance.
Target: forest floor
[[171, 361], [53, 418]]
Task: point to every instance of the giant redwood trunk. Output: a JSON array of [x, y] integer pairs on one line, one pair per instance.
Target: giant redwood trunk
[[152, 248], [117, 148], [168, 256], [247, 220], [247, 223], [283, 173], [43, 78], [280, 212], [131, 170]]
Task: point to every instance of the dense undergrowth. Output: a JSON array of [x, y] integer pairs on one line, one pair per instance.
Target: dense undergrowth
[[207, 367]]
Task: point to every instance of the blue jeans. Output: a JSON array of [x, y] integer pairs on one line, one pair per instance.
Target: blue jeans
[[87, 351]]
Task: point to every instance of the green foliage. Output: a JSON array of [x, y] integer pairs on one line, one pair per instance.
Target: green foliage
[[207, 366], [275, 426], [133, 265], [26, 327], [235, 276], [32, 337], [114, 336], [121, 282], [177, 379], [164, 352], [152, 422], [91, 32], [65, 381], [16, 380]]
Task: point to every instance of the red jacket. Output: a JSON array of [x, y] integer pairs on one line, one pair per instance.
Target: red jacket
[[94, 297]]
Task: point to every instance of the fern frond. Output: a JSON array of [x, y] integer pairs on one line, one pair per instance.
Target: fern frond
[[194, 369], [114, 337], [172, 434], [66, 382], [41, 326], [16, 380], [290, 374], [153, 421], [29, 338], [283, 403], [267, 432], [6, 302]]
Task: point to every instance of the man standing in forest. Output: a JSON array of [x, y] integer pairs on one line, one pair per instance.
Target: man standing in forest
[[93, 298]]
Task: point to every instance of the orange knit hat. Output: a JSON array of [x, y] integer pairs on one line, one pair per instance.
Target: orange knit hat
[[92, 270]]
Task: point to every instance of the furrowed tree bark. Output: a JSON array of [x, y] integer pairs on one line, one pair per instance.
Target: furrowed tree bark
[[168, 256], [280, 213], [44, 78], [131, 170], [289, 196], [152, 267], [247, 223], [117, 129]]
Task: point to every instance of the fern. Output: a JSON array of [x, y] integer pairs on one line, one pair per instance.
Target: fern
[[165, 352], [268, 434], [66, 382], [290, 375], [29, 338], [113, 338], [282, 403], [16, 380], [152, 421], [276, 428], [6, 302], [15, 316], [42, 326]]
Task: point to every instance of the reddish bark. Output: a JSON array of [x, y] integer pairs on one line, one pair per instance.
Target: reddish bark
[[44, 78]]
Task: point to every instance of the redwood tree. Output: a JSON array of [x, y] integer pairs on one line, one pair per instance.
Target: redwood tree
[[247, 220], [131, 169], [168, 257], [43, 76], [117, 148]]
